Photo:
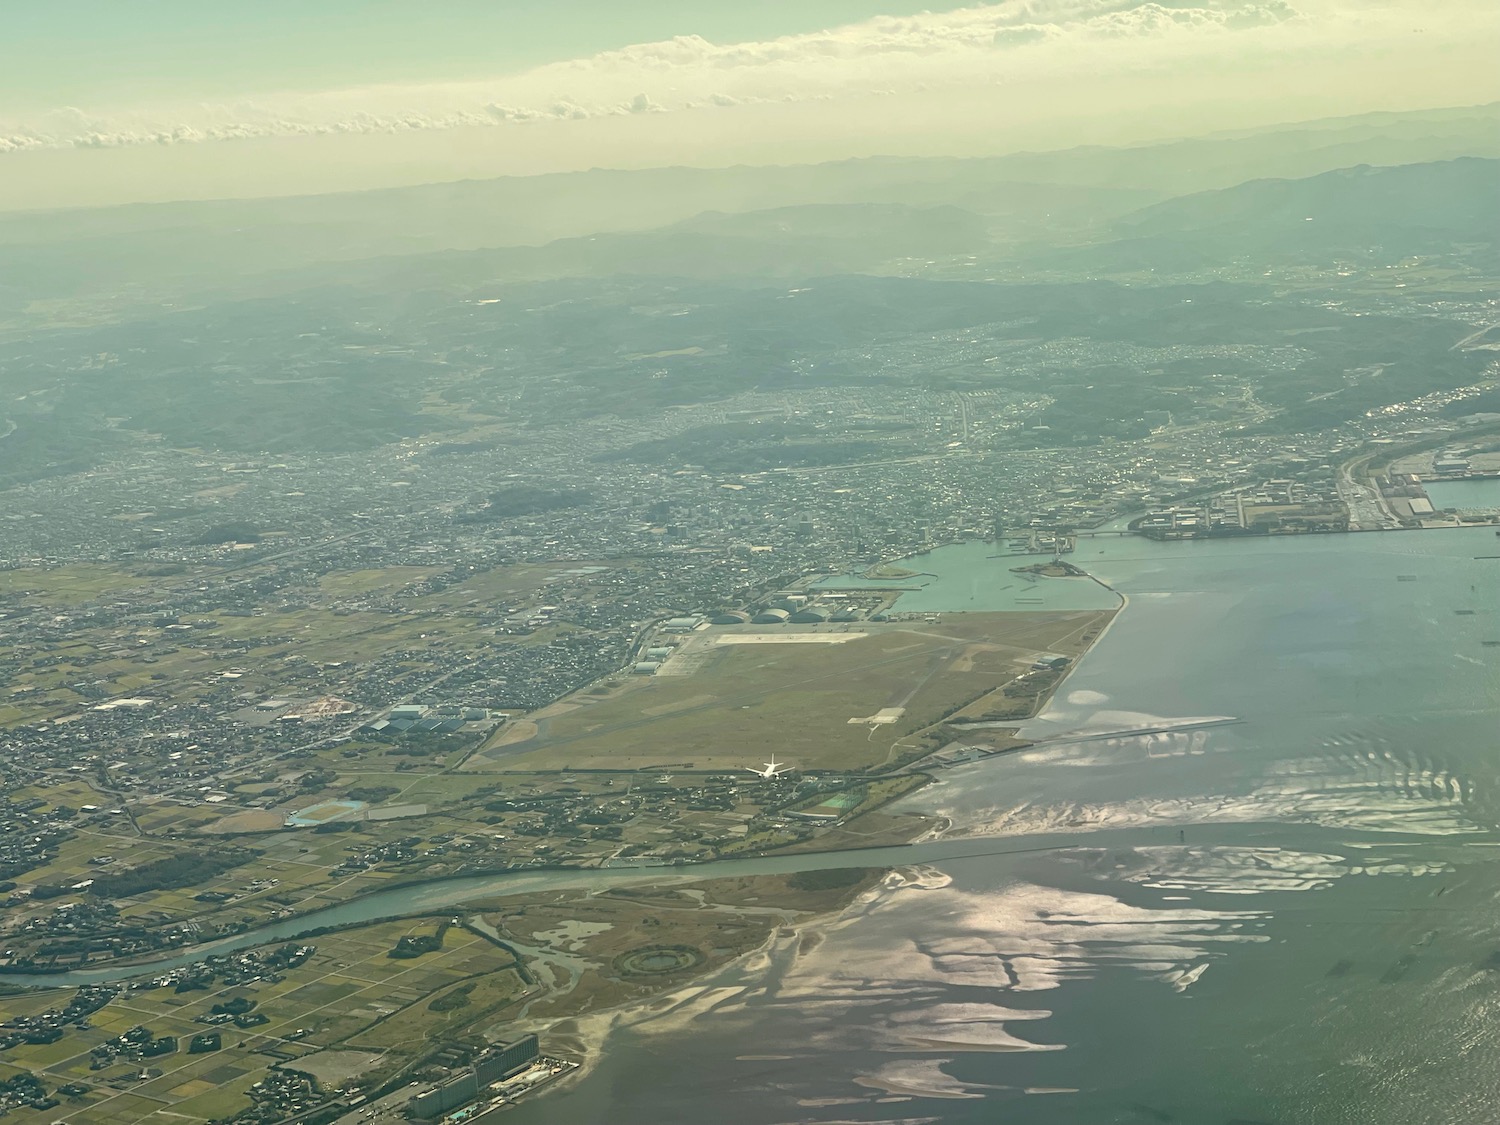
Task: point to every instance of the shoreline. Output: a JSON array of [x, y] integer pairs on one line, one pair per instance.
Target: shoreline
[[587, 1040], [590, 1034], [600, 1033]]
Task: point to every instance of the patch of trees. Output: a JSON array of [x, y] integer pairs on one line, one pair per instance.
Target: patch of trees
[[171, 872], [47, 445], [237, 531], [451, 1000], [426, 743], [528, 500], [827, 880], [414, 945], [372, 794], [317, 779]]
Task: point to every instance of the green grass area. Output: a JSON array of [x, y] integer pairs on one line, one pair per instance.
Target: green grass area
[[70, 792], [501, 585], [69, 585], [797, 700], [419, 1024], [384, 580], [220, 1101]]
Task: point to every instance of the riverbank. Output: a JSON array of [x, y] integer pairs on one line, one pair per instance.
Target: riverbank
[[368, 1005]]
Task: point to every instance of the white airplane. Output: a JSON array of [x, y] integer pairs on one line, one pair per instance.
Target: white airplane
[[771, 771]]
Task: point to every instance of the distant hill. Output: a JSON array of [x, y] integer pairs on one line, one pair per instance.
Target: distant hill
[[1452, 200], [150, 252], [1366, 213], [784, 242]]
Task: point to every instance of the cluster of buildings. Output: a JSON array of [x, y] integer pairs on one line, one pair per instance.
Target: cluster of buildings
[[467, 1080], [51, 1025]]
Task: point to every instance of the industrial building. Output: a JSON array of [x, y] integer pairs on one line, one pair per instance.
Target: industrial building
[[495, 1065]]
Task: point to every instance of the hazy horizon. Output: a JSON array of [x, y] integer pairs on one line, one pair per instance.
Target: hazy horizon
[[354, 98]]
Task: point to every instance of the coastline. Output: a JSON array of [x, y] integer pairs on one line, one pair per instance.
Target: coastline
[[602, 1031], [585, 1038], [575, 1025]]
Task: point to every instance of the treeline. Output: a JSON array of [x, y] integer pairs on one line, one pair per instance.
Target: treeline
[[371, 794], [830, 880]]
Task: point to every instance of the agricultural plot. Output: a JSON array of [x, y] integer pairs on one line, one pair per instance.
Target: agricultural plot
[[351, 992], [349, 618]]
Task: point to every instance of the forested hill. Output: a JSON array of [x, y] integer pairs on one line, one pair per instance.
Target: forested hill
[[1451, 200]]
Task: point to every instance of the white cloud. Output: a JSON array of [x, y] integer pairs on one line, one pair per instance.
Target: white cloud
[[983, 46]]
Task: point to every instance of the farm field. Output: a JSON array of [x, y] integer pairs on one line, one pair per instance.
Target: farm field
[[350, 993], [345, 618]]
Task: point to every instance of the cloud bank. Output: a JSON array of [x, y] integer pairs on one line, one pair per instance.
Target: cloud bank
[[992, 45]]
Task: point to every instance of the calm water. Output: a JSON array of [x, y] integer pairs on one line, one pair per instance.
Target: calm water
[[1295, 919], [1464, 494], [970, 577]]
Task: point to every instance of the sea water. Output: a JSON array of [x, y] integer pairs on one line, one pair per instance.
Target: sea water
[[1294, 918]]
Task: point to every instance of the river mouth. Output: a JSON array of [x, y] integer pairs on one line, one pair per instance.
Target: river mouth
[[457, 891]]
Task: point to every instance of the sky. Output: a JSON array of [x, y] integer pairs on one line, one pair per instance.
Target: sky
[[105, 102]]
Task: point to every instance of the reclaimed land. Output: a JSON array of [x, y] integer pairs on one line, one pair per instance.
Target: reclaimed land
[[802, 702]]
